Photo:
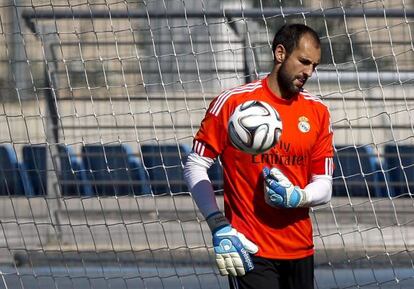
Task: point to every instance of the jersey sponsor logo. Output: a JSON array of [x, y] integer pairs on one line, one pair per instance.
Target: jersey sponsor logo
[[303, 124], [276, 159], [286, 158]]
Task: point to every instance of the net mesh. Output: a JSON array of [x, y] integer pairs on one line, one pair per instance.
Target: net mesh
[[100, 103]]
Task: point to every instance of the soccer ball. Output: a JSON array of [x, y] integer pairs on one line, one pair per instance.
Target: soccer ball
[[254, 127]]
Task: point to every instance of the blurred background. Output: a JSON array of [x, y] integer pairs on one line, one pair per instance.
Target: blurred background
[[100, 100]]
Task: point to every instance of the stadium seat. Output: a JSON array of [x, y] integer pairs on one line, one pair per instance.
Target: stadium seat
[[399, 163], [13, 176], [358, 173], [35, 161], [72, 175], [137, 173], [114, 170], [164, 164]]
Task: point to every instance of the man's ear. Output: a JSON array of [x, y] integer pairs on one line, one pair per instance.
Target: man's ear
[[280, 53]]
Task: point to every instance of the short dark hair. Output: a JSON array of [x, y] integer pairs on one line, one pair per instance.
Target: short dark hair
[[290, 34]]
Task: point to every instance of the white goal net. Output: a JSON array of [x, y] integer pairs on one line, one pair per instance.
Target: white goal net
[[100, 100]]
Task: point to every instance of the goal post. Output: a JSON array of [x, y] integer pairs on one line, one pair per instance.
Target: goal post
[[100, 104]]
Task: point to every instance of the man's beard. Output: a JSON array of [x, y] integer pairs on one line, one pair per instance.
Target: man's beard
[[285, 81]]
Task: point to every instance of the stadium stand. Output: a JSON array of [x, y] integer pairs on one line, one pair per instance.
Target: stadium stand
[[35, 162], [399, 160], [358, 173], [164, 163], [13, 175], [114, 170], [72, 174]]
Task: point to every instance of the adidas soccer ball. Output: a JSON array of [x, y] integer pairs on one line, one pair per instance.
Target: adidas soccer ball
[[254, 127]]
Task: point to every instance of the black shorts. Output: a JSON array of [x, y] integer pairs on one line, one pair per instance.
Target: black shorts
[[277, 274]]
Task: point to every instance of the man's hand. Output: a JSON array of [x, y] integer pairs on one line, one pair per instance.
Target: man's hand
[[232, 248], [233, 251], [280, 192]]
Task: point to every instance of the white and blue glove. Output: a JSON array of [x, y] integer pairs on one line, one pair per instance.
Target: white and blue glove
[[280, 192], [232, 248]]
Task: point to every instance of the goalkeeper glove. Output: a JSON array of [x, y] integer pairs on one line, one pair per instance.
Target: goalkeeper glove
[[232, 248], [280, 192]]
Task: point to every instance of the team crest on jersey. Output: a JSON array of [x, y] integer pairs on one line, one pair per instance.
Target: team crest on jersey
[[304, 125]]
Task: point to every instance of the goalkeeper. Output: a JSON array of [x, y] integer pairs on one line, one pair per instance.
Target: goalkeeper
[[264, 239]]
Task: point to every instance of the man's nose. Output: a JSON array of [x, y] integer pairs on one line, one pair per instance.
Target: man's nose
[[308, 71]]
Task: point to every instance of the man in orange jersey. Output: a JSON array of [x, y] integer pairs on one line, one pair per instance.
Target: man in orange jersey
[[264, 240]]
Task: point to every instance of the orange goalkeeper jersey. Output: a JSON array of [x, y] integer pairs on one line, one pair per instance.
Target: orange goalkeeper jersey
[[304, 149]]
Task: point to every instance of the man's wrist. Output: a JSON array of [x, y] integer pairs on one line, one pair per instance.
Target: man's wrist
[[216, 221]]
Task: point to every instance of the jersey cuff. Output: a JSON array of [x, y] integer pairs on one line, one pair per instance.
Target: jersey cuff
[[323, 166], [204, 149]]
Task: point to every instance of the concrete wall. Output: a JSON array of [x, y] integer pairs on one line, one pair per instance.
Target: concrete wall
[[152, 228]]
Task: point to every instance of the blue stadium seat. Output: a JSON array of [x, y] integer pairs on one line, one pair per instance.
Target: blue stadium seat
[[35, 161], [13, 175], [72, 175], [164, 164], [137, 173], [114, 170], [358, 173], [399, 162]]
